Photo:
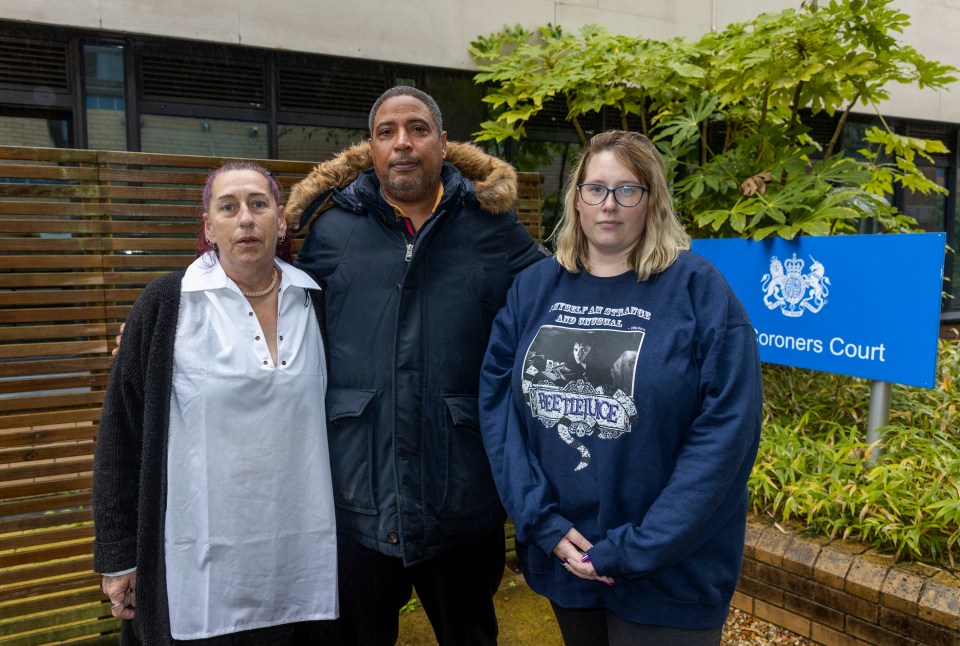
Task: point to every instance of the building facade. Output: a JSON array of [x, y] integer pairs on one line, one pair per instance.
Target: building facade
[[294, 79]]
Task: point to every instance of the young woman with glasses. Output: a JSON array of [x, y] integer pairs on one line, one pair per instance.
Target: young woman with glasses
[[626, 482]]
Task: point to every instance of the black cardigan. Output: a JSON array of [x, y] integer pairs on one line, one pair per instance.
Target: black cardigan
[[130, 463]]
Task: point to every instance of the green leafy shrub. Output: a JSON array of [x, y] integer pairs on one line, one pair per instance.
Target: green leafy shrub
[[812, 464], [726, 111]]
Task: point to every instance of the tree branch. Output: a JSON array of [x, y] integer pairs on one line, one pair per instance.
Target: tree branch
[[795, 105], [836, 133], [703, 143], [575, 121]]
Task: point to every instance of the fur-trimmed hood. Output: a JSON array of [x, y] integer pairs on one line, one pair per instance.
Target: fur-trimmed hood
[[494, 180]]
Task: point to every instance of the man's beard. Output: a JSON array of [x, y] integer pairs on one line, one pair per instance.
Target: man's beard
[[410, 189]]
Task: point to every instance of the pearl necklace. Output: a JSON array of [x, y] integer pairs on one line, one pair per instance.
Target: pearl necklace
[[273, 283]]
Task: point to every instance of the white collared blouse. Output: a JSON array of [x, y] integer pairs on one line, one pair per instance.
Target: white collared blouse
[[250, 538]]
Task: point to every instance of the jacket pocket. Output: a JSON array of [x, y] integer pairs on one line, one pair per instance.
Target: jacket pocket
[[469, 490], [351, 417]]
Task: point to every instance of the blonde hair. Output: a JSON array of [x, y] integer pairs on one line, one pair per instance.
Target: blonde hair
[[663, 235]]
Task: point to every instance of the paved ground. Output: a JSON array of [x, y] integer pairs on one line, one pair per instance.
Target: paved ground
[[526, 620]]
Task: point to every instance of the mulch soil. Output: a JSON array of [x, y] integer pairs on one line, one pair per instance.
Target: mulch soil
[[527, 620]]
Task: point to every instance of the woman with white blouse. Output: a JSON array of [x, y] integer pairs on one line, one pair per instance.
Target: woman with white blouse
[[213, 506]]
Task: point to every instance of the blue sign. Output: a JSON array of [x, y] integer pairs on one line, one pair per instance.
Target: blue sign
[[864, 305]]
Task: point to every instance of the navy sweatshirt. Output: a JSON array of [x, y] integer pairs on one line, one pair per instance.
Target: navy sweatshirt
[[630, 411]]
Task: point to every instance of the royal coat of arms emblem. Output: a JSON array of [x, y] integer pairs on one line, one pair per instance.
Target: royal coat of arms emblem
[[787, 287]]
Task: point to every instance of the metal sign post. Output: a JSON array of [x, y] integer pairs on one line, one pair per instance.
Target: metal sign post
[[879, 416]]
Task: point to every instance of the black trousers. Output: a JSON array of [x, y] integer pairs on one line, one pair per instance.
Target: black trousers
[[456, 591], [600, 627]]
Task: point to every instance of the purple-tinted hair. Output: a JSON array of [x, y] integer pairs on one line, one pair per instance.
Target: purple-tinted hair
[[284, 248]]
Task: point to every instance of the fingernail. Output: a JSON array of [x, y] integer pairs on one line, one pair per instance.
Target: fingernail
[[585, 558], [565, 559], [606, 582]]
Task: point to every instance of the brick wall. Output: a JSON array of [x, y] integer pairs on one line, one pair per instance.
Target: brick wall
[[106, 129], [193, 136], [25, 131], [845, 594]]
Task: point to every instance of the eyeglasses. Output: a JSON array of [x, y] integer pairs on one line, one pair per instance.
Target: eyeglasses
[[627, 195]]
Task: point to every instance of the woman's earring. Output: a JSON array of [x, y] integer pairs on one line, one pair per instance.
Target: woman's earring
[[283, 236]]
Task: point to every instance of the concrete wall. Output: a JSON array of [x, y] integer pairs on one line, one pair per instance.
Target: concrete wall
[[438, 32]]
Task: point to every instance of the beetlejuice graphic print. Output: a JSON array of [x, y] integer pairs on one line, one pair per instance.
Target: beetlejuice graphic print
[[580, 382]]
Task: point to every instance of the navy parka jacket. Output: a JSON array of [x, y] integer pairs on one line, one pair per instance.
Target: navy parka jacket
[[405, 341]]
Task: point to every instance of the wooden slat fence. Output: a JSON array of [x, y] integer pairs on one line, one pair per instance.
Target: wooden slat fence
[[81, 233], [529, 205]]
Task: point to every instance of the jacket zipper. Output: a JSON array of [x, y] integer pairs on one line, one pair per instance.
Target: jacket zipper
[[423, 233]]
